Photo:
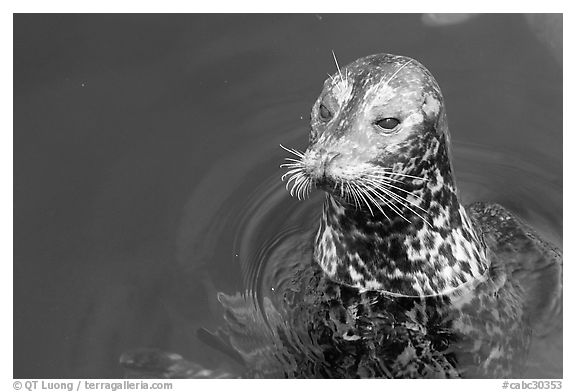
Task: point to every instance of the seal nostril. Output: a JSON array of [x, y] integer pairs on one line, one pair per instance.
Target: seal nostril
[[329, 157]]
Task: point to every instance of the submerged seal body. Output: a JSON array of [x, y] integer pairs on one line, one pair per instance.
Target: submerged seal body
[[401, 280]]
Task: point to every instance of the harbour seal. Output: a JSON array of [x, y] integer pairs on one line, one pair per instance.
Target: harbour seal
[[392, 221], [402, 280]]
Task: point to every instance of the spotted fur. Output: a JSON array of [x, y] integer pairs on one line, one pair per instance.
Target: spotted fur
[[392, 247], [383, 290], [410, 295]]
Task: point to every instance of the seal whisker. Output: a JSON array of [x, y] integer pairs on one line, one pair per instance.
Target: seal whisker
[[337, 66], [296, 184], [388, 185], [303, 188], [359, 205], [354, 197], [390, 204], [387, 174], [399, 200], [384, 178], [366, 192], [384, 189], [411, 202], [299, 193], [291, 165], [376, 204], [295, 170], [354, 189], [293, 151], [294, 177], [289, 180], [360, 194], [348, 194], [296, 187], [290, 173], [398, 70], [294, 160]]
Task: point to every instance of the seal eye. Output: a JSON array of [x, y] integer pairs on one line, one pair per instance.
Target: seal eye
[[387, 123], [325, 113]]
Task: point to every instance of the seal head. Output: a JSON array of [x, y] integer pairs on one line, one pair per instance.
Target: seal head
[[369, 114], [379, 147]]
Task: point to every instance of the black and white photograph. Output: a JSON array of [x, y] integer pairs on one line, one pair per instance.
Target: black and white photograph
[[286, 196]]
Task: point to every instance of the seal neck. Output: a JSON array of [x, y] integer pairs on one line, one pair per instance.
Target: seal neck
[[370, 251]]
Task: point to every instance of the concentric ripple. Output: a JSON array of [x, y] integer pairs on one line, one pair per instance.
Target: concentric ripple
[[273, 232]]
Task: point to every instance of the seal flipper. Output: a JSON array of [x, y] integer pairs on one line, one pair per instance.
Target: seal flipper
[[532, 261]]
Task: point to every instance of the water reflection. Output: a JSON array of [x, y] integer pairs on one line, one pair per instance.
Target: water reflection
[[143, 192]]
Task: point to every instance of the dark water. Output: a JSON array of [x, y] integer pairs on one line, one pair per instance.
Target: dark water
[[146, 162]]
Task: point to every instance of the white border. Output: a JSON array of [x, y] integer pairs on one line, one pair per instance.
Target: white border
[[6, 167]]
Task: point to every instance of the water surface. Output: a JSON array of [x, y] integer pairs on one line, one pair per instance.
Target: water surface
[[147, 162]]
